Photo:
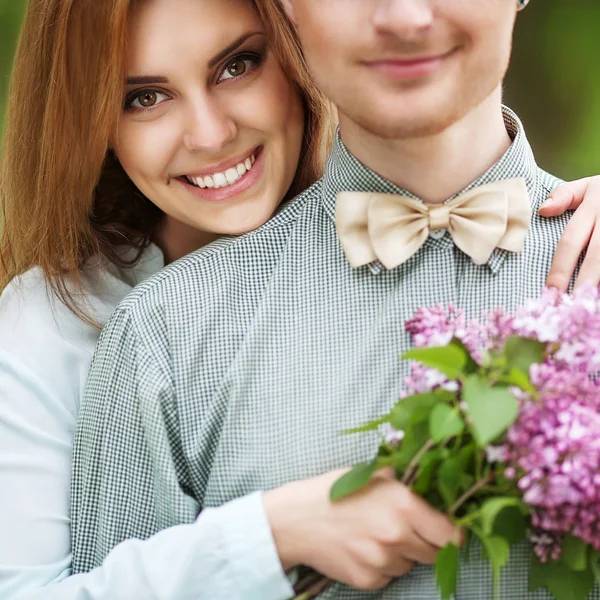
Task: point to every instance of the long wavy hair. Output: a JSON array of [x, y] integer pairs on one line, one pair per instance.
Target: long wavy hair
[[64, 196]]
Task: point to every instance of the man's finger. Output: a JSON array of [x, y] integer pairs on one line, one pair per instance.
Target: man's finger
[[432, 526], [398, 567]]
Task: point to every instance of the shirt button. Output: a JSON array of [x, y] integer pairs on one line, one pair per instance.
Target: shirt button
[[438, 234]]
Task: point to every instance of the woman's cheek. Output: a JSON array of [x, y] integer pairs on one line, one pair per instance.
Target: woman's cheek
[[145, 148]]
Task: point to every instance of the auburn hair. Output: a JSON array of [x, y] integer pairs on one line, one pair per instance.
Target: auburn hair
[[64, 196]]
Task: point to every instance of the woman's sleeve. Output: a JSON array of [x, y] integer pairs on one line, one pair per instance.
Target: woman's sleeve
[[223, 551], [227, 553], [36, 433]]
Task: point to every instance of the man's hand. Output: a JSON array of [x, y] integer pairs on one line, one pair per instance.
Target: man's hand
[[364, 540], [582, 232]]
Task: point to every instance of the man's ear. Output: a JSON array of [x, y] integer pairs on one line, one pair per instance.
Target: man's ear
[[288, 6]]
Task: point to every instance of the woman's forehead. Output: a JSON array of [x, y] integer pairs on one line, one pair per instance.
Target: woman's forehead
[[164, 34]]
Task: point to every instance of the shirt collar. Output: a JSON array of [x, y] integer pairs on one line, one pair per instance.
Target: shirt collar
[[345, 173]]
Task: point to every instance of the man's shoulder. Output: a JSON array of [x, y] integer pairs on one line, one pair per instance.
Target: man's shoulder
[[547, 181], [543, 185], [207, 272], [545, 232]]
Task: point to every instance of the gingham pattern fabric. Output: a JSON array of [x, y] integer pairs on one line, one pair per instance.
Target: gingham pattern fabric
[[235, 369]]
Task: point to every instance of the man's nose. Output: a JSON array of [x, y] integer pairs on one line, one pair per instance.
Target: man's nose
[[208, 126], [404, 18]]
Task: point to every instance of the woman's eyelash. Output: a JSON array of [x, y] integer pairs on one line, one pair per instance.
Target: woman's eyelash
[[151, 95], [255, 58]]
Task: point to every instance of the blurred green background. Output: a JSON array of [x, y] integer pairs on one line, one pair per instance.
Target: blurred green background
[[554, 81], [11, 13]]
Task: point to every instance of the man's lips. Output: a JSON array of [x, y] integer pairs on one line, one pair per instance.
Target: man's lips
[[408, 68]]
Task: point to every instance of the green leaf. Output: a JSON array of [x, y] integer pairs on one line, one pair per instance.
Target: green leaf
[[562, 582], [450, 474], [415, 438], [491, 508], [511, 524], [412, 409], [446, 570], [449, 360], [522, 352], [518, 378], [428, 465], [353, 480], [574, 553], [594, 561], [471, 366], [370, 426], [491, 409], [537, 573], [498, 552], [445, 422]]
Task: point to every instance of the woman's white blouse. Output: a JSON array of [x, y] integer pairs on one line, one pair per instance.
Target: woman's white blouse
[[45, 355]]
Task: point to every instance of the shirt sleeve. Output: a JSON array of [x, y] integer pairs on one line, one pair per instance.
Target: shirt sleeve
[[129, 495], [36, 437], [186, 562]]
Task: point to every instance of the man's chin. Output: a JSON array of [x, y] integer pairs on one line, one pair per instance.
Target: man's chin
[[404, 126]]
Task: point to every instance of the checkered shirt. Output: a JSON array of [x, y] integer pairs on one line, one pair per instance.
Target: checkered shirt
[[236, 368]]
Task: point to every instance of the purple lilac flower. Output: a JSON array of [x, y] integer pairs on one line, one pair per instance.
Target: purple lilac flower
[[553, 450]]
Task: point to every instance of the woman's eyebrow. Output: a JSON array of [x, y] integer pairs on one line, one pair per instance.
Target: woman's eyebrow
[[233, 46], [146, 79]]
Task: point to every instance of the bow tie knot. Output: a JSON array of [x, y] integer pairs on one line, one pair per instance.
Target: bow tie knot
[[439, 217], [391, 228]]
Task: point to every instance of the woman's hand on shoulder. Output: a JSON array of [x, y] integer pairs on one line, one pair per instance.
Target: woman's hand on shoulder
[[582, 234]]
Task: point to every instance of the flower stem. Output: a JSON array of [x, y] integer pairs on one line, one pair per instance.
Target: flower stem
[[407, 478], [314, 589], [468, 494]]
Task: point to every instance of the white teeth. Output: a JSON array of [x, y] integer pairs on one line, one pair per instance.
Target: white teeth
[[228, 177], [219, 179], [232, 175]]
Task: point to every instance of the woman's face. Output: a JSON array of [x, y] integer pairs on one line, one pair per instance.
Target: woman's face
[[211, 128]]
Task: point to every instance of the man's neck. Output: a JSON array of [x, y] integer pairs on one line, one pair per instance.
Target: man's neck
[[434, 168]]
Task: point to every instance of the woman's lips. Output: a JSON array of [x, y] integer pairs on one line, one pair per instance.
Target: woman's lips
[[243, 184]]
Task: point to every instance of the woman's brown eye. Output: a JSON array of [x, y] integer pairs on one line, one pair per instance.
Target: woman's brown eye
[[236, 68], [147, 99]]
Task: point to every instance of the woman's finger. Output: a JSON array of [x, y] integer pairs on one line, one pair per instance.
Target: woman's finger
[[590, 269], [567, 196], [573, 242]]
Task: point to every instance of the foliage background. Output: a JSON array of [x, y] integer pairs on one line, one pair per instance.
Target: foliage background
[[553, 83]]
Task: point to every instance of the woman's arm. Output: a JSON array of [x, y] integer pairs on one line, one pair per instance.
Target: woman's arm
[[582, 234], [36, 432], [45, 353]]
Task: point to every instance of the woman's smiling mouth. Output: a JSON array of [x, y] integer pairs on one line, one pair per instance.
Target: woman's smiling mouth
[[227, 177], [227, 182]]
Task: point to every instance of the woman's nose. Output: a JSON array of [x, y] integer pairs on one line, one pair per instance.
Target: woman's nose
[[209, 127]]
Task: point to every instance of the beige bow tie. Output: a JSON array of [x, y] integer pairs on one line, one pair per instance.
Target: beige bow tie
[[391, 228]]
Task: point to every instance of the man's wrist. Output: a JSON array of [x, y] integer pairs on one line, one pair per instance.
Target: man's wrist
[[283, 511]]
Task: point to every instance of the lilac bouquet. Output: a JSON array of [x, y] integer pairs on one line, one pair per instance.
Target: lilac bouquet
[[499, 428]]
